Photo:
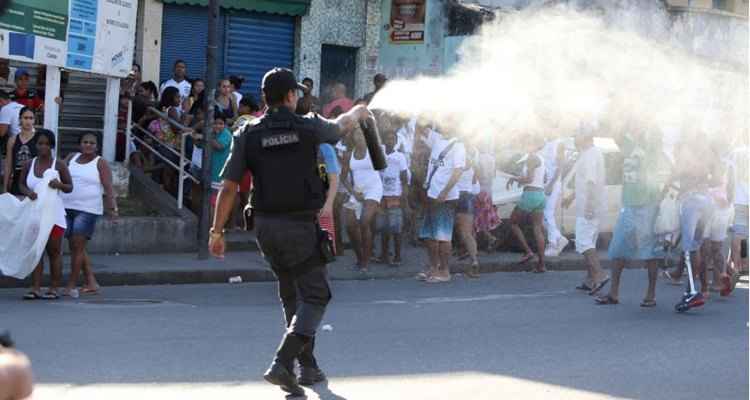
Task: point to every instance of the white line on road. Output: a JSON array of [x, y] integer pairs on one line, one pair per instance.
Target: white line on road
[[491, 297]]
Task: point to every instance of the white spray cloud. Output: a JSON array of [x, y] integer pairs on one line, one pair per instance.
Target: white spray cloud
[[549, 69]]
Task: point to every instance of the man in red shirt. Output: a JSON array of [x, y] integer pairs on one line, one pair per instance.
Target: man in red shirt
[[23, 94]]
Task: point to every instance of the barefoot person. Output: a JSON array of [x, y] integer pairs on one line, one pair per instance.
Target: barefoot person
[[92, 179], [633, 238], [531, 206], [590, 206]]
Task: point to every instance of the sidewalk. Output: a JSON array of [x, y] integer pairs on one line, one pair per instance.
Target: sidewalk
[[184, 268]]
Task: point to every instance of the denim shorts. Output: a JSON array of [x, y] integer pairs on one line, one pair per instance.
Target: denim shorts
[[532, 201], [80, 223], [438, 221], [633, 237], [390, 221], [465, 203]]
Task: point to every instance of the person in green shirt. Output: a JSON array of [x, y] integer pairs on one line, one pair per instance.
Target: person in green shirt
[[633, 238], [221, 141]]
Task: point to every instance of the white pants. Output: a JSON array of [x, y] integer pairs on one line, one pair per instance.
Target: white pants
[[550, 208]]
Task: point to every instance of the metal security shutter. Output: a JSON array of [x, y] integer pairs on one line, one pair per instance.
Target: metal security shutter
[[255, 43], [185, 37]]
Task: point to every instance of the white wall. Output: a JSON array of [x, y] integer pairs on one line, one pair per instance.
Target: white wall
[[148, 38]]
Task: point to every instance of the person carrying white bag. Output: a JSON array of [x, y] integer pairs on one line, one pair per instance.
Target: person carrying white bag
[[36, 224]]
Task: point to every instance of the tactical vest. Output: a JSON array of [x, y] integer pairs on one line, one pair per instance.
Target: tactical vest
[[283, 157]]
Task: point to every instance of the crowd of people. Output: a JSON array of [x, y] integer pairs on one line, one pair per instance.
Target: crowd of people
[[436, 190]]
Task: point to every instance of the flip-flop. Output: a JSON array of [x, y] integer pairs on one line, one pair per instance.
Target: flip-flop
[[89, 291], [648, 303], [51, 296], [526, 258], [32, 296], [584, 287], [606, 300], [438, 279], [598, 287], [422, 276]]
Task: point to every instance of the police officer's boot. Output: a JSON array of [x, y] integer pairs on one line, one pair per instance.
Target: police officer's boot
[[281, 371], [310, 372]]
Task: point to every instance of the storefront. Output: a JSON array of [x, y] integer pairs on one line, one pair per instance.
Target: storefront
[[254, 36]]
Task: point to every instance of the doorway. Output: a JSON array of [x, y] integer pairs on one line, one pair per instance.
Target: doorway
[[337, 64]]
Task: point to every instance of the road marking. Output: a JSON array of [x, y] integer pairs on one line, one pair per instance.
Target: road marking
[[491, 297]]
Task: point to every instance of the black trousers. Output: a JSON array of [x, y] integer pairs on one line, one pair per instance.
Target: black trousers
[[290, 244]]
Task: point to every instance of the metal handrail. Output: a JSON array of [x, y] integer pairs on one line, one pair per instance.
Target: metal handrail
[[181, 154]]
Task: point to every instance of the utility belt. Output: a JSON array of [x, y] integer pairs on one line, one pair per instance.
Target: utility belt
[[324, 240]]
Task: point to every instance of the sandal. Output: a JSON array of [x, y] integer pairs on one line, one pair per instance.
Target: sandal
[[423, 276], [526, 258], [648, 303], [51, 296], [584, 287], [606, 300], [598, 287], [32, 295], [438, 279], [89, 291]]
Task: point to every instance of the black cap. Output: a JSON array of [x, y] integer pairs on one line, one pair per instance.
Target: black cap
[[278, 81]]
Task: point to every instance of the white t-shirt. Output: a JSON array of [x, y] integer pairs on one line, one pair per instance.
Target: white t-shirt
[[392, 174], [405, 139], [237, 97], [183, 86], [456, 158], [9, 116], [466, 183], [590, 168]]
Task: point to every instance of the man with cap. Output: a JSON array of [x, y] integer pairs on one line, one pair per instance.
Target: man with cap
[[590, 206], [23, 94], [280, 150]]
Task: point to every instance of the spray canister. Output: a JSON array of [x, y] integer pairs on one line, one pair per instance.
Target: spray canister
[[372, 137]]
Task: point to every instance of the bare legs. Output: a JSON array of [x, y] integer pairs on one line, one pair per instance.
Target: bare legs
[[369, 210], [465, 227], [537, 219], [54, 253], [80, 261], [652, 266]]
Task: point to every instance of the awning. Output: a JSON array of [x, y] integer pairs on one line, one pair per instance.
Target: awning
[[285, 7]]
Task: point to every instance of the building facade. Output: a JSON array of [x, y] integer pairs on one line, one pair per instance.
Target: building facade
[[326, 40]]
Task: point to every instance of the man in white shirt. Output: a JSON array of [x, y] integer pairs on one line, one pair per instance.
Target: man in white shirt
[[590, 206], [179, 81], [447, 161]]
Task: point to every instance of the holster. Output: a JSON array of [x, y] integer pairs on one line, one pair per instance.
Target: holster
[[325, 246], [248, 216]]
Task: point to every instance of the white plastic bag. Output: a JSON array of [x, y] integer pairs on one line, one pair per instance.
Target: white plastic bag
[[668, 219], [26, 226]]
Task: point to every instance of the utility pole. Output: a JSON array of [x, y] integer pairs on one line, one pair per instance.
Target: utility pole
[[208, 111]]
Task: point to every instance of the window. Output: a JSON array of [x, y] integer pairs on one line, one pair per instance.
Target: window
[[720, 4]]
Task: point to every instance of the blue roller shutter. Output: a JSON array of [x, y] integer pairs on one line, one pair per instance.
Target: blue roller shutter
[[255, 43], [185, 36]]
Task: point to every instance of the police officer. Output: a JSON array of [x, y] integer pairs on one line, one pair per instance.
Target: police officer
[[280, 149]]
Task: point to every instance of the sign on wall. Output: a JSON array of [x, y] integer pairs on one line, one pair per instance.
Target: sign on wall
[[86, 35], [408, 21]]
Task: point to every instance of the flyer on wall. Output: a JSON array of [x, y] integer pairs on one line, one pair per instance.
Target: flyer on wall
[[408, 21], [88, 35]]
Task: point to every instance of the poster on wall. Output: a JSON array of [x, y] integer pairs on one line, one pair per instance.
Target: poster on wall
[[408, 21], [87, 35]]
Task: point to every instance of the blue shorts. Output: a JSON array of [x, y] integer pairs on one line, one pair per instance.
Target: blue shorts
[[532, 201], [80, 223], [438, 221], [465, 203], [390, 221], [695, 214], [633, 237]]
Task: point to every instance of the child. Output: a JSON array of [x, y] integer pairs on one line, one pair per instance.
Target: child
[[395, 191]]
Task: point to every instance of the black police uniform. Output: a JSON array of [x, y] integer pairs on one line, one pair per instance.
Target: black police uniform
[[280, 149]]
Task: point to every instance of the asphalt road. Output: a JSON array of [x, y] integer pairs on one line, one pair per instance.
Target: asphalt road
[[506, 336]]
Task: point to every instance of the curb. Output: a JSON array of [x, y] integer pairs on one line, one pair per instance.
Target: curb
[[336, 272]]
